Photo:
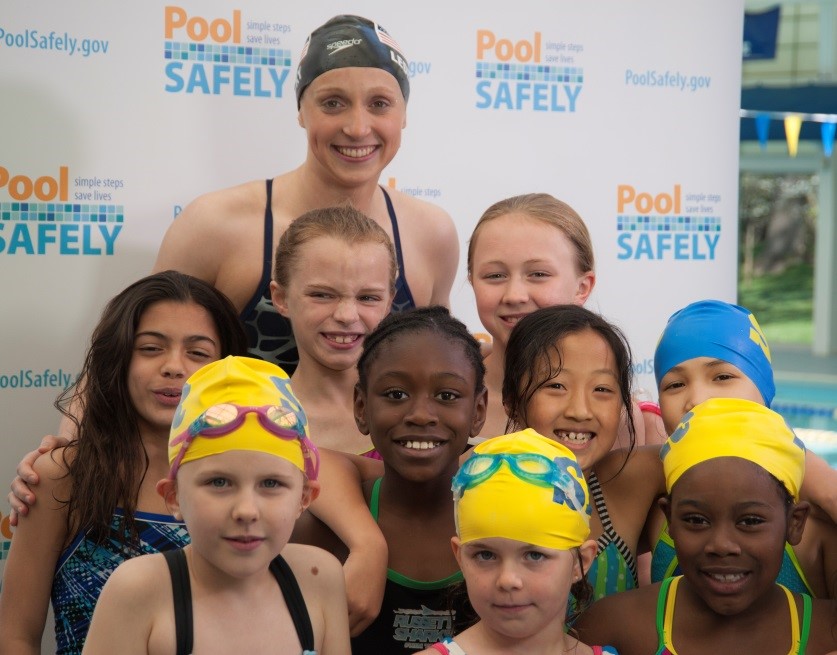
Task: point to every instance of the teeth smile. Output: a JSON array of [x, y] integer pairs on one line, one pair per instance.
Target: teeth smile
[[342, 338], [730, 577], [355, 153], [421, 445], [574, 437]]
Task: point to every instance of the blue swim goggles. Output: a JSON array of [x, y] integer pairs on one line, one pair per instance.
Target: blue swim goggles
[[531, 467], [534, 468]]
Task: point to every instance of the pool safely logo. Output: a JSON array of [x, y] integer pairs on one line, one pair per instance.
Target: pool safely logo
[[666, 225], [224, 55], [40, 215], [518, 74]]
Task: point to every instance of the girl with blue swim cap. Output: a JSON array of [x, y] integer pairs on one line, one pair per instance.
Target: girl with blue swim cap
[[711, 347], [628, 483]]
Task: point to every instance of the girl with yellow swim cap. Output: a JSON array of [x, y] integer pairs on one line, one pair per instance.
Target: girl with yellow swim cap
[[733, 469], [97, 504], [714, 349], [522, 519], [565, 376], [568, 377], [242, 471]]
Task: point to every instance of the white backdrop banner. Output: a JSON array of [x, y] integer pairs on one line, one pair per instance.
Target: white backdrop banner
[[116, 115]]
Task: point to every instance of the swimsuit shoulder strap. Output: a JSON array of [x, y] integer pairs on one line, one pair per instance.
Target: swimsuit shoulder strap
[[263, 289], [609, 534], [182, 592], [794, 617], [806, 623], [295, 601], [665, 613], [396, 237], [373, 499], [799, 632], [267, 255]]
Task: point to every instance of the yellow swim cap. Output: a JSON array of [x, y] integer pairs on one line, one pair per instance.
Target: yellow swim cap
[[525, 487], [728, 427], [239, 403]]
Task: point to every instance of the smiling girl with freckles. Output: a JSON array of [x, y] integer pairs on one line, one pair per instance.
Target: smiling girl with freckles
[[526, 253]]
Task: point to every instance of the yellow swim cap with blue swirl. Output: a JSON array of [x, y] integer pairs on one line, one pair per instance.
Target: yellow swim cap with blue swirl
[[525, 487], [729, 427], [240, 403]]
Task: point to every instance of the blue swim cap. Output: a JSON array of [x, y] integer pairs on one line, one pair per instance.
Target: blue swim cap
[[712, 328]]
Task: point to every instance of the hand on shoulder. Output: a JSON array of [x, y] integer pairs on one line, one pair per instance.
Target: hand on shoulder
[[51, 468]]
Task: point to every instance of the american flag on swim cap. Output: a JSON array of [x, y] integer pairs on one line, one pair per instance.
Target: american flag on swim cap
[[305, 48], [384, 37]]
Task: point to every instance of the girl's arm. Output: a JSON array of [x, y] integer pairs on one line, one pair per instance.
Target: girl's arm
[[820, 484], [632, 483], [821, 560], [36, 547], [342, 507], [124, 614]]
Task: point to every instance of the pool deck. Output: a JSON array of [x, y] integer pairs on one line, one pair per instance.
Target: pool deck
[[794, 362]]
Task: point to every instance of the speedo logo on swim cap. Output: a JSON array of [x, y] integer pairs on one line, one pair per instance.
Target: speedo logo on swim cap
[[337, 46]]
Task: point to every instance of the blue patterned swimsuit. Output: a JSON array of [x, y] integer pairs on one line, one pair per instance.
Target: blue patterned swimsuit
[[85, 566]]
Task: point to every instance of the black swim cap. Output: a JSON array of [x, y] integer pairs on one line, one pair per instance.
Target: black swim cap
[[346, 41]]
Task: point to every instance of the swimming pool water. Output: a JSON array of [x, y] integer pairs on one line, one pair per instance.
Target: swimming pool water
[[810, 406], [813, 392]]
